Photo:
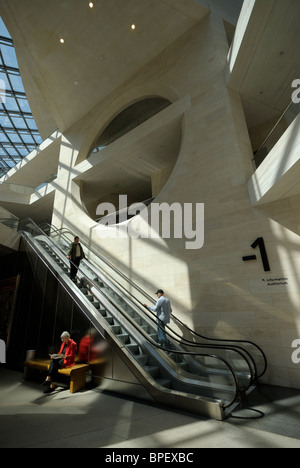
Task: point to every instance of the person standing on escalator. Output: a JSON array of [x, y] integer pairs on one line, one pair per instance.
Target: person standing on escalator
[[75, 255], [163, 310]]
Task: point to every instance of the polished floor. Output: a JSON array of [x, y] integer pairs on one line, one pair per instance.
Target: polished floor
[[91, 419]]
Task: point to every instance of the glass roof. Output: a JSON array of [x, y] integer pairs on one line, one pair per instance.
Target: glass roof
[[18, 131]]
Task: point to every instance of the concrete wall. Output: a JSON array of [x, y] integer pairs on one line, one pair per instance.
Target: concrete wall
[[212, 289], [9, 237]]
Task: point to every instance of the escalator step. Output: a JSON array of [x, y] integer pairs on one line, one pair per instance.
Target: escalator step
[[165, 383], [132, 347], [154, 337], [142, 359], [110, 320], [125, 338], [153, 370]]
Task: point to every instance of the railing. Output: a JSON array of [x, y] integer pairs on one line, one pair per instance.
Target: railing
[[288, 116]]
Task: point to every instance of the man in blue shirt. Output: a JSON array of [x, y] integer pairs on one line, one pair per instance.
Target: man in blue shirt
[[163, 311]]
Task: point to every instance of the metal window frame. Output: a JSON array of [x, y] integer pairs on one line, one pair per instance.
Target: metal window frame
[[11, 153]]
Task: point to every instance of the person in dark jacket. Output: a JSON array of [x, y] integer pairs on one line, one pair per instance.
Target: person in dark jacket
[[75, 255]]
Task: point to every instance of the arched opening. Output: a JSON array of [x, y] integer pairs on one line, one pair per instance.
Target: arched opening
[[130, 118], [132, 163]]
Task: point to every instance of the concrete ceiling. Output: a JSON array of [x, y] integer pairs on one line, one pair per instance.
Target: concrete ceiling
[[40, 211], [39, 168], [64, 81], [268, 60]]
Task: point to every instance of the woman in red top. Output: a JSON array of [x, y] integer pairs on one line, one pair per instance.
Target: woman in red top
[[64, 359]]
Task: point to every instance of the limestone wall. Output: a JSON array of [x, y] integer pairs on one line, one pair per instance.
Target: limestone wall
[[211, 289]]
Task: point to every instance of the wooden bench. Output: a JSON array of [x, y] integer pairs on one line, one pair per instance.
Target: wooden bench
[[77, 373]]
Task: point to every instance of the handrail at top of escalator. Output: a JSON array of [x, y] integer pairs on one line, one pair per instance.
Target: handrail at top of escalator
[[236, 389], [145, 294], [230, 341]]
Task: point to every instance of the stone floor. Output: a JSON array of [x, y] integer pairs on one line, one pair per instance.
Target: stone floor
[[91, 419]]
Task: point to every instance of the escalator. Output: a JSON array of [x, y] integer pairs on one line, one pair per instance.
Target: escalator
[[123, 284], [200, 375]]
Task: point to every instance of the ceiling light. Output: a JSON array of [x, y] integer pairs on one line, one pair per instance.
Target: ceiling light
[[91, 5], [62, 41], [133, 26]]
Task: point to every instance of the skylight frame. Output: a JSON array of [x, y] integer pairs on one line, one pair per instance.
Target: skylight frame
[[19, 134]]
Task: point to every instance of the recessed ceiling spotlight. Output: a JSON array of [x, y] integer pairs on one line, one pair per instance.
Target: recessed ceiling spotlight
[[62, 41], [91, 5], [133, 27]]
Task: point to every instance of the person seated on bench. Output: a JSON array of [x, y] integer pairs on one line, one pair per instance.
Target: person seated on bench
[[63, 360]]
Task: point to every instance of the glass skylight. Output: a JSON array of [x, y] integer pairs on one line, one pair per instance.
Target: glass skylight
[[18, 131]]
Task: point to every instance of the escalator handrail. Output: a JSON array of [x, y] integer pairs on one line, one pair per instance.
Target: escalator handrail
[[145, 294], [153, 343], [229, 341], [236, 392], [182, 341], [177, 337]]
